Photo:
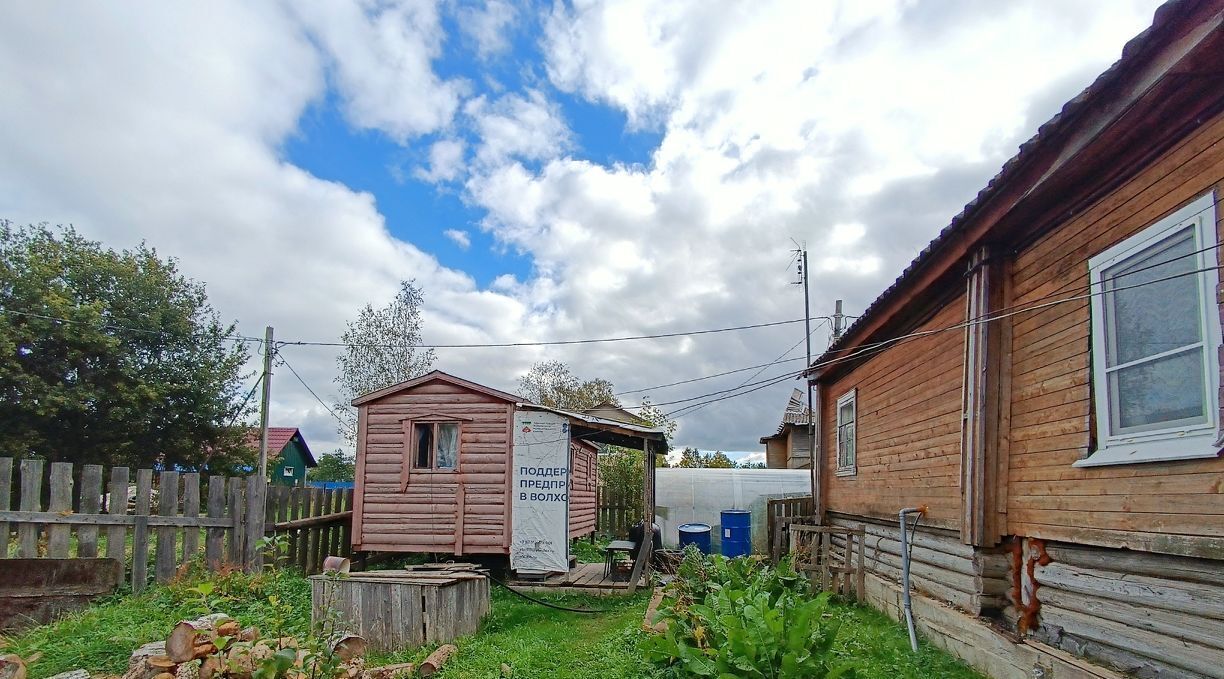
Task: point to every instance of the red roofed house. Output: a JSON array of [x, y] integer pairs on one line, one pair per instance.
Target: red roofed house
[[288, 455]]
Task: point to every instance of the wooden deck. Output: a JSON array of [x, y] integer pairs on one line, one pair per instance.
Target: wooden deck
[[587, 578]]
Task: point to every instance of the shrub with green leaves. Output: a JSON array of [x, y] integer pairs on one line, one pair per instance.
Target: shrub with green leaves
[[742, 618]]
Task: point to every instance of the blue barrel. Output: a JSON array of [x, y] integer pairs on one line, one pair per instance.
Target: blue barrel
[[736, 532], [695, 534]]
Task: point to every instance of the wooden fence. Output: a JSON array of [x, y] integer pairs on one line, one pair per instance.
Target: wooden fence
[[164, 509], [779, 514], [617, 508], [316, 522]]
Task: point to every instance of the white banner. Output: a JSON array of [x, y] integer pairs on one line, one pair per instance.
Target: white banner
[[540, 527]]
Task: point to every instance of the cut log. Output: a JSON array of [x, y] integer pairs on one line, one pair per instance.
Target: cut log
[[248, 634], [346, 646], [210, 667], [437, 659], [161, 662], [203, 650], [403, 669], [230, 628], [138, 663], [163, 675], [72, 674], [12, 667], [187, 634]]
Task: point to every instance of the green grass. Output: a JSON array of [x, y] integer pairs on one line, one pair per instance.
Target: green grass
[[536, 642]]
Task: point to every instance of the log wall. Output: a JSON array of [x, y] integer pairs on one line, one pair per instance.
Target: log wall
[[908, 421], [1172, 507], [461, 512], [1150, 615], [584, 478], [974, 580]]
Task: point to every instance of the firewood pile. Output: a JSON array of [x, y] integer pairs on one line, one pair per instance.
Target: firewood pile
[[217, 647]]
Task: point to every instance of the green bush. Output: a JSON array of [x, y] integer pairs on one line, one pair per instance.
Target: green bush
[[742, 618]]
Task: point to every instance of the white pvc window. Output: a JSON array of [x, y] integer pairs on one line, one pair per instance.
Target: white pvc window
[[847, 416], [1155, 337], [288, 471]]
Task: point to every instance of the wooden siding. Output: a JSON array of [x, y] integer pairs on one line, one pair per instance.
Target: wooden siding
[[1175, 507], [427, 516], [584, 475], [908, 427]]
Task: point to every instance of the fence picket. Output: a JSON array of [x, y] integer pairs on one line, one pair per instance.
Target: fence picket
[[59, 536], [91, 503], [256, 489], [6, 503], [167, 505], [215, 536], [292, 504], [238, 515], [31, 501], [307, 504], [140, 532], [191, 508], [117, 504], [346, 528]]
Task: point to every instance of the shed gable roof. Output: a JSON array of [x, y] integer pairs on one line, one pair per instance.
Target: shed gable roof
[[437, 376]]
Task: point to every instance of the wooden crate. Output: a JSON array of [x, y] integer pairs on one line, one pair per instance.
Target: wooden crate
[[394, 610]]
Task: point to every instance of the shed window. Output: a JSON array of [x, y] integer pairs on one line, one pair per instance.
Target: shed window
[[288, 471], [437, 445], [1155, 335], [847, 415]]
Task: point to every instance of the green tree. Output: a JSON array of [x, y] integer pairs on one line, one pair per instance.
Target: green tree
[[553, 384], [112, 357], [692, 458], [382, 349], [333, 467]]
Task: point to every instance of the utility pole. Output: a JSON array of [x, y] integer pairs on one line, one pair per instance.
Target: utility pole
[[801, 253], [839, 322], [263, 406]]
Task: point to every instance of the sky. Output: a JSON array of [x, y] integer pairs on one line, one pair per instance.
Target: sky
[[542, 171]]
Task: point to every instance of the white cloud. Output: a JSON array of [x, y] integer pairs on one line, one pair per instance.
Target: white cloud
[[526, 127], [460, 237], [446, 159], [382, 55], [488, 26]]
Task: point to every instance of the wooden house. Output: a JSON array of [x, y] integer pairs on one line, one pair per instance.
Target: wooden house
[[1044, 379], [288, 455], [790, 447], [440, 469]]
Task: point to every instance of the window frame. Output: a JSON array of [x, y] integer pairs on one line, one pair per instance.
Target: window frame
[[408, 467], [851, 466], [433, 454], [288, 471], [1167, 443]]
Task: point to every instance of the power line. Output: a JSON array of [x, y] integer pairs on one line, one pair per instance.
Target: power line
[[326, 407], [780, 359], [246, 400], [777, 360], [502, 345], [880, 346], [112, 326]]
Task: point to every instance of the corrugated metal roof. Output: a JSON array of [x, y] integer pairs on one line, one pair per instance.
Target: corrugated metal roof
[[1045, 132]]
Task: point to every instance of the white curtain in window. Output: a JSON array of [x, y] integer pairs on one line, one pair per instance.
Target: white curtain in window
[[448, 446]]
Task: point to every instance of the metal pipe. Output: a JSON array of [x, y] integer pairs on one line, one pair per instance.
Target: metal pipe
[[905, 575]]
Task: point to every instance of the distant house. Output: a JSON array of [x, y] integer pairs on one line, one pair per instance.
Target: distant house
[[288, 455], [1044, 382], [791, 446]]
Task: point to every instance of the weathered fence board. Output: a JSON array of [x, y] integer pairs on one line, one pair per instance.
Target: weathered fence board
[[840, 570], [779, 514], [617, 508], [317, 523], [78, 517]]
